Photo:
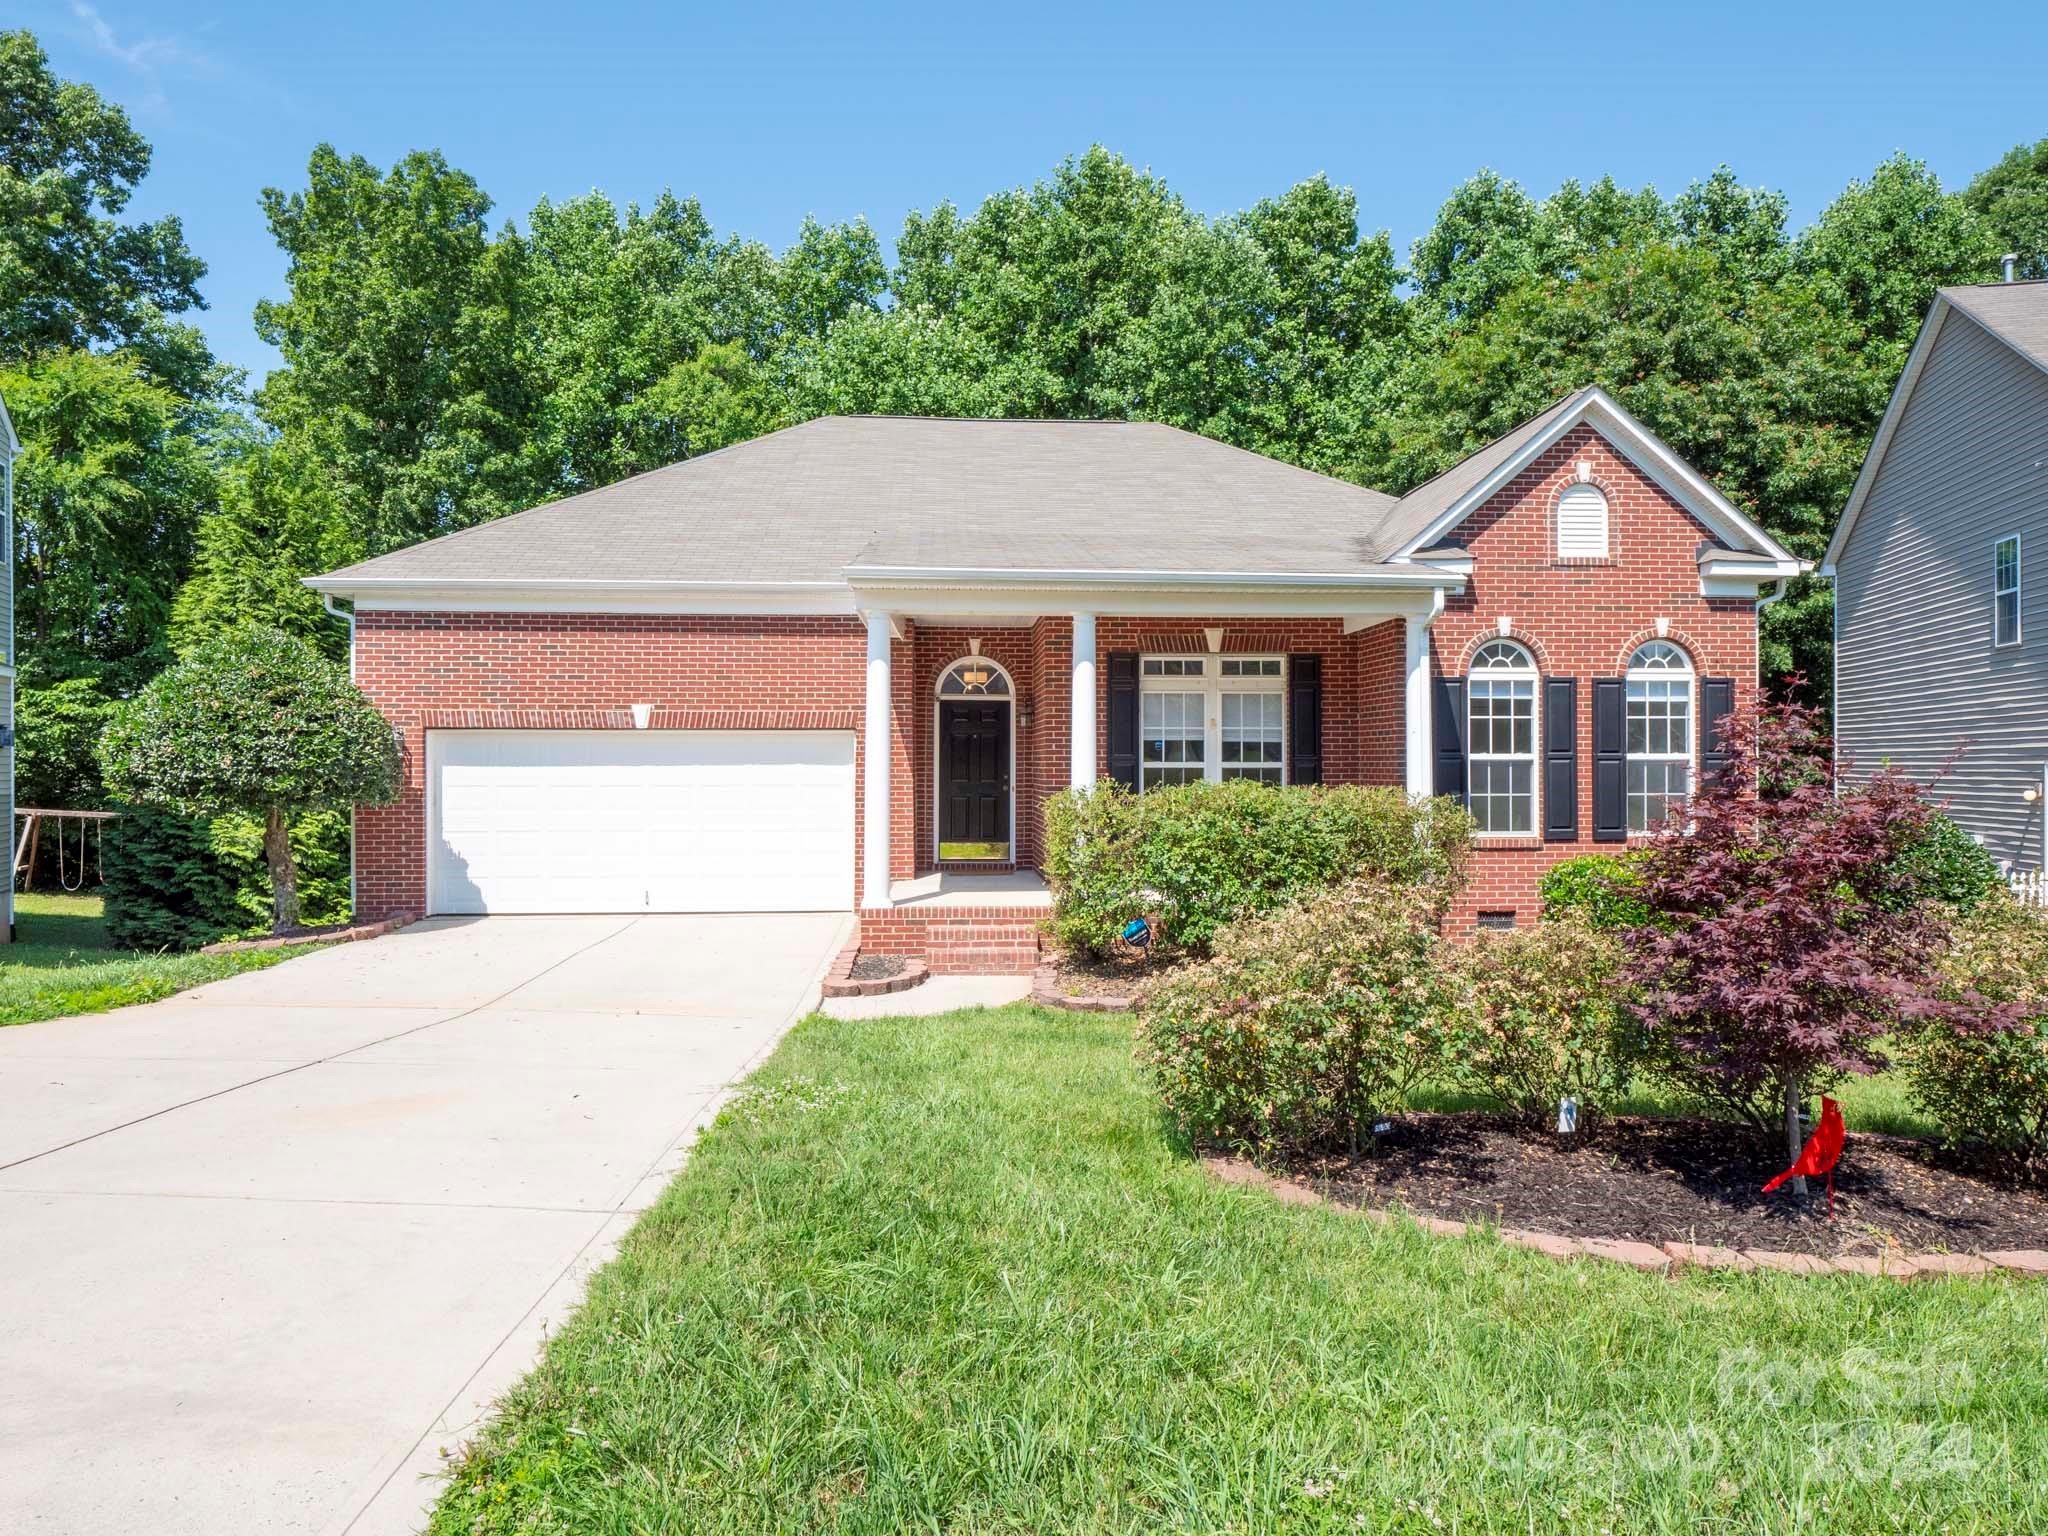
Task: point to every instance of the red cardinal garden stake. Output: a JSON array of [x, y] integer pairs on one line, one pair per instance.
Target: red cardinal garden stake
[[1822, 1151]]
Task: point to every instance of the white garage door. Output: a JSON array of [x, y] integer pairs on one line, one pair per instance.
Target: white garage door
[[639, 821]]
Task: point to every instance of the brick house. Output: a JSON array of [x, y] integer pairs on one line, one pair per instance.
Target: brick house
[[667, 694]]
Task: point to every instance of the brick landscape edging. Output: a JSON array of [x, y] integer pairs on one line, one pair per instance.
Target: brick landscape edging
[[840, 982], [1046, 993], [375, 930], [1654, 1258]]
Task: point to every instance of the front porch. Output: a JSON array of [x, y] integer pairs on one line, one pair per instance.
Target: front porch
[[989, 714]]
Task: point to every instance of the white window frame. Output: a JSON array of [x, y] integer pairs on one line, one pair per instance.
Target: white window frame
[[1640, 673], [1581, 488], [1211, 685], [2017, 588], [1526, 671]]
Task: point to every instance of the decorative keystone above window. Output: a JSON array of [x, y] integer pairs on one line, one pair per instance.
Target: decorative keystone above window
[[1582, 523]]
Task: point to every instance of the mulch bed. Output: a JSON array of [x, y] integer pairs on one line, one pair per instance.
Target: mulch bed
[[1078, 975], [867, 967], [1688, 1181]]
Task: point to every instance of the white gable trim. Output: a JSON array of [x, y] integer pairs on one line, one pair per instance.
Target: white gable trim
[[1640, 447]]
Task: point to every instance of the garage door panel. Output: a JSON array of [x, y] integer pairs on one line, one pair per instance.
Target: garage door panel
[[673, 821]]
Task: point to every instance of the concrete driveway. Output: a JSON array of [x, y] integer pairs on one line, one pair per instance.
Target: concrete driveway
[[268, 1246]]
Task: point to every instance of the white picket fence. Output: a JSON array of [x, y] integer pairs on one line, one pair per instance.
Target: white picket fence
[[2030, 886]]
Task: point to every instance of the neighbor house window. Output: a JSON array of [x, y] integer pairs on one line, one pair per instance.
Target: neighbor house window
[[1500, 699], [1582, 523], [1211, 717], [1659, 733], [2005, 591]]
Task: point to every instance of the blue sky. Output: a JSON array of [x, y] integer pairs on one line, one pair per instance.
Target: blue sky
[[766, 113]]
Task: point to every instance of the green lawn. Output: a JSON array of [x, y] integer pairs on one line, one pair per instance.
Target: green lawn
[[61, 963], [953, 1275]]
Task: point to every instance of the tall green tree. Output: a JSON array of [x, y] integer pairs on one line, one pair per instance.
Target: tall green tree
[[2011, 198], [72, 274], [404, 374], [1757, 386], [113, 478], [276, 524], [1878, 252]]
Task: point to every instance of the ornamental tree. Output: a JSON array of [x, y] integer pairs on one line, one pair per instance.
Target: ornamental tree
[[1788, 934], [256, 722]]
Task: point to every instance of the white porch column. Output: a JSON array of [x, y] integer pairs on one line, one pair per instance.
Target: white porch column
[[876, 747], [1421, 772], [1082, 731]]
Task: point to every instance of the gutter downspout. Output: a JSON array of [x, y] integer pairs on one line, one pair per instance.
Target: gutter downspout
[[348, 617], [1777, 592]]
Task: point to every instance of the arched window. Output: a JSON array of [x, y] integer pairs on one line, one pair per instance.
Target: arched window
[[1582, 523], [973, 677], [1500, 703], [1660, 714]]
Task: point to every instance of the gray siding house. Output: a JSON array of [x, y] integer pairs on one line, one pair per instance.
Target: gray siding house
[[1940, 565]]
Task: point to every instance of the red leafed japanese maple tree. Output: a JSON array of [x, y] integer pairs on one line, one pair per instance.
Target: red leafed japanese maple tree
[[1787, 936]]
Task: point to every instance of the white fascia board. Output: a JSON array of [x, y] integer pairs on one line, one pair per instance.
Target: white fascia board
[[1158, 600], [863, 576], [1635, 442], [1459, 566], [373, 594], [1880, 444], [1745, 578]]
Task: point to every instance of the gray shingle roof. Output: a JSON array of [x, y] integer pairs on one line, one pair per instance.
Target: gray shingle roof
[[2016, 313], [811, 503], [1422, 506], [803, 504]]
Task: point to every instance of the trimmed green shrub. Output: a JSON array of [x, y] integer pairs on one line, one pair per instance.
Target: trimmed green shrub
[[1601, 890], [255, 723], [1948, 865], [176, 882], [1985, 1080], [1199, 856], [1536, 1015], [169, 884], [1304, 1023]]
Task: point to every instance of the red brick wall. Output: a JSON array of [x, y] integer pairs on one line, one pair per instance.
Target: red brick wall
[[583, 670], [1355, 735], [1582, 619]]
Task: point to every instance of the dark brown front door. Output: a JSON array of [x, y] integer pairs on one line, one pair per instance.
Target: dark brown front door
[[974, 779]]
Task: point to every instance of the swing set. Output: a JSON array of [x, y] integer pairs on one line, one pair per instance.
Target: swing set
[[91, 825]]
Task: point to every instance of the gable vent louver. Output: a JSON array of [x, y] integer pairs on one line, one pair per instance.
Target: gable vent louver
[[1582, 523]]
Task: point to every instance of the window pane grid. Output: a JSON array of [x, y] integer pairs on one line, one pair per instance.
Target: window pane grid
[[2005, 598], [1659, 735], [1226, 721], [1501, 739]]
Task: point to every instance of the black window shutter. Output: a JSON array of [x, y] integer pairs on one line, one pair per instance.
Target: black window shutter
[[1561, 759], [1305, 719], [1447, 726], [1123, 718], [1717, 703], [1610, 761]]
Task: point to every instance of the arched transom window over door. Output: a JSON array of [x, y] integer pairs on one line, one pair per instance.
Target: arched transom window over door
[[1660, 715], [1500, 694]]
